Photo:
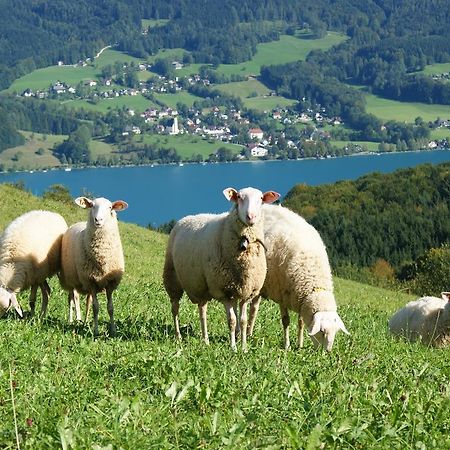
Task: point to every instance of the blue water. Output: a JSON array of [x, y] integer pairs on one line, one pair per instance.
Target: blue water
[[161, 193]]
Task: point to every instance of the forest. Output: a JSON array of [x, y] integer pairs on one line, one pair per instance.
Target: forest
[[396, 218]]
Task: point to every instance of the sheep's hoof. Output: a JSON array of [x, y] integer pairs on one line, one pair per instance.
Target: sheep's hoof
[[112, 330]]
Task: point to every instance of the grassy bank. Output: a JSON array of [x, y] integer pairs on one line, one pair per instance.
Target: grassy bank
[[144, 390]]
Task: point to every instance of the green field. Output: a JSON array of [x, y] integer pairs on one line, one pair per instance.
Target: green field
[[436, 69], [370, 146], [63, 388], [25, 157], [286, 49], [188, 145], [182, 97], [404, 111], [440, 133], [267, 103], [243, 89], [136, 102], [152, 23]]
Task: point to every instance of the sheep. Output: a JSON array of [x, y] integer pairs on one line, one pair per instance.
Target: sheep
[[426, 319], [30, 252], [92, 258], [298, 278], [219, 256]]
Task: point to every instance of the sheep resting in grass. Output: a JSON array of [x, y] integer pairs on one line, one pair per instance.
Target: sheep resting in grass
[[92, 258], [219, 256], [426, 319], [298, 277], [30, 252]]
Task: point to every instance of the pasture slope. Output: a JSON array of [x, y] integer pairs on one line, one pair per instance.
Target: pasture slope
[[144, 390]]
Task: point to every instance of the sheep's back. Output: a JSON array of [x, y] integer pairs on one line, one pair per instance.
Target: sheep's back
[[31, 244], [417, 318], [297, 260]]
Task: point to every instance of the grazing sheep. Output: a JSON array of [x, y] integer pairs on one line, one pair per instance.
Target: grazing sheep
[[8, 300], [30, 252], [219, 256], [426, 319], [298, 277], [92, 257]]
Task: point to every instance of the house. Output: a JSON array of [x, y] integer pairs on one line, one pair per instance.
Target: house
[[91, 83], [256, 133], [177, 65], [59, 88], [258, 151], [27, 93], [276, 115]]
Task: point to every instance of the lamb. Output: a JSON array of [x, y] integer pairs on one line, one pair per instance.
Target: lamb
[[30, 252], [219, 256], [426, 319], [92, 258], [298, 278]]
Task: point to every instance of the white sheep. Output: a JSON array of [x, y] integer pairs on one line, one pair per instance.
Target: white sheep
[[30, 252], [426, 319], [298, 277], [219, 256], [92, 257]]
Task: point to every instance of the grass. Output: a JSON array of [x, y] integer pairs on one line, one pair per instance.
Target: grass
[[144, 390], [188, 145], [137, 102], [436, 69], [404, 111], [171, 100], [26, 157], [286, 49], [440, 133]]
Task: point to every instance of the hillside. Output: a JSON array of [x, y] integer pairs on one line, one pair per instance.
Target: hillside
[[144, 390], [396, 218]]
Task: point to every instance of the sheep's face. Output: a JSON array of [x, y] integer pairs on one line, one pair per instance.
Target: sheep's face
[[324, 326], [8, 300], [102, 210], [249, 201]]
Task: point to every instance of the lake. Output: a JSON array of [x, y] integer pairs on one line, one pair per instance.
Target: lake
[[161, 193]]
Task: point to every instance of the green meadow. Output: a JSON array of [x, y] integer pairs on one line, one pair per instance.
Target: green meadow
[[404, 111], [188, 145], [61, 387], [436, 69], [286, 49], [136, 102]]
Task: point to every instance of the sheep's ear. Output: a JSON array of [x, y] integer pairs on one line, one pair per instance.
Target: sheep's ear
[[84, 202], [342, 326], [231, 194], [270, 196], [315, 326], [445, 296], [15, 304], [119, 205]]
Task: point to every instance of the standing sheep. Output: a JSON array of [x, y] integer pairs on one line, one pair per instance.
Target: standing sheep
[[30, 252], [92, 257], [219, 256], [298, 277], [426, 319]]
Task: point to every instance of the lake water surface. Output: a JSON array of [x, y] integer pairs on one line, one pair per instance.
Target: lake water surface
[[161, 193]]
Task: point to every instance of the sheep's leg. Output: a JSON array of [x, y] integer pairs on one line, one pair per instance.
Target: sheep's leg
[[32, 300], [110, 307], [76, 299], [285, 321], [202, 310], [88, 307], [254, 307], [300, 328], [70, 301], [176, 321], [243, 322], [45, 290], [95, 309], [230, 309]]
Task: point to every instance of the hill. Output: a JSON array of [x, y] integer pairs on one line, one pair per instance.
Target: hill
[[396, 217], [144, 390]]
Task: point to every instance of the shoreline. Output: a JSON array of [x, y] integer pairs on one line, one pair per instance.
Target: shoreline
[[205, 163]]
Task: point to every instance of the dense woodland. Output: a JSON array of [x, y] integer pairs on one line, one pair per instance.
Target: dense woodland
[[396, 218]]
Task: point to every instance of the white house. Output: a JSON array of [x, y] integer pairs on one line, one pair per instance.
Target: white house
[[256, 133]]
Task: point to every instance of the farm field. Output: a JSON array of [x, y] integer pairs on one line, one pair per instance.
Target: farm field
[[440, 133], [287, 49], [404, 111], [136, 102], [63, 388], [436, 69], [27, 156], [187, 145], [182, 97]]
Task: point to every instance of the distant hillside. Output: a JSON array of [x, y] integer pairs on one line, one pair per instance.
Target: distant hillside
[[397, 216]]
